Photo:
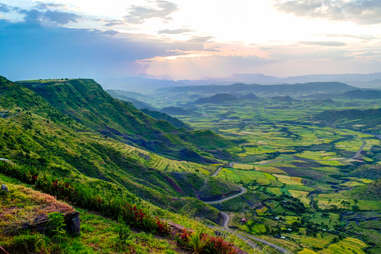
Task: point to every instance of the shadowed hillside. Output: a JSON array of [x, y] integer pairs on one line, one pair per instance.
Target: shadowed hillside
[[86, 102]]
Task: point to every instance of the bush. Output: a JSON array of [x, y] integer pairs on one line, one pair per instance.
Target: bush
[[28, 243], [201, 243], [56, 227], [124, 234]]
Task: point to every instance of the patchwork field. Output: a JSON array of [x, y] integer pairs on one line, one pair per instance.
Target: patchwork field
[[295, 167]]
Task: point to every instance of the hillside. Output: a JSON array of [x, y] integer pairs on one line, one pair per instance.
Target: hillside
[[368, 120], [217, 99], [363, 94], [163, 116], [34, 218], [40, 145], [129, 96], [86, 102], [370, 192], [76, 164]]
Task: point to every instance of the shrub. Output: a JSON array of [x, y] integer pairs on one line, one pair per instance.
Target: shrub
[[56, 227], [201, 243], [28, 243], [124, 234], [198, 241], [217, 245]]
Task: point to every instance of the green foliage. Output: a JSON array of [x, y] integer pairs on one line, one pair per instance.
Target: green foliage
[[28, 243], [56, 226], [86, 101], [201, 243]]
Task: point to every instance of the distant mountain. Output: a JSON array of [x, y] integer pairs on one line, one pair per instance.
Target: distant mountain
[[362, 94], [85, 101], [217, 99], [249, 96], [282, 98], [294, 90], [372, 80], [149, 85]]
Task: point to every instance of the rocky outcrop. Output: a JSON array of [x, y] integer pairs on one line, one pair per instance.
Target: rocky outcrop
[[25, 208], [73, 224], [40, 224]]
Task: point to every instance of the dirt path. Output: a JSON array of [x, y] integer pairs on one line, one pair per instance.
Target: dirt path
[[217, 171], [249, 239], [243, 190]]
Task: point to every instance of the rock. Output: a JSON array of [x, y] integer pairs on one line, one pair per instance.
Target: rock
[[73, 224], [39, 224], [4, 188]]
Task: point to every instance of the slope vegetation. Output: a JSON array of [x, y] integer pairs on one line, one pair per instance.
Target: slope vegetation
[[86, 102]]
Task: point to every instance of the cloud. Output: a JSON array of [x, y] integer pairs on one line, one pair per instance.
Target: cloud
[[42, 13], [175, 31], [57, 17], [352, 36], [324, 43], [200, 39], [358, 11], [4, 8], [31, 50], [46, 6], [139, 14]]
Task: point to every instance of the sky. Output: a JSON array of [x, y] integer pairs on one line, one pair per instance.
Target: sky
[[183, 39]]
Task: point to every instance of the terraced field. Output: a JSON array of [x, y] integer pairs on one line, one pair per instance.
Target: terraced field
[[299, 174]]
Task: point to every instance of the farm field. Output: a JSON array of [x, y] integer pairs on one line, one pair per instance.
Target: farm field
[[297, 172]]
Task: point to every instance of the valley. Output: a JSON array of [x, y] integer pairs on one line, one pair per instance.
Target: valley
[[250, 174], [190, 127], [298, 169]]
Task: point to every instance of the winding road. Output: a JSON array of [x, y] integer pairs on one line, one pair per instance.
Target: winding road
[[243, 190], [249, 239]]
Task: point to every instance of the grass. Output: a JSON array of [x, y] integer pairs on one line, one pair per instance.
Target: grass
[[246, 177], [301, 195], [347, 245], [289, 180]]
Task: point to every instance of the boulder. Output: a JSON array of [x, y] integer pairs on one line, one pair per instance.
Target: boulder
[[4, 188], [73, 224]]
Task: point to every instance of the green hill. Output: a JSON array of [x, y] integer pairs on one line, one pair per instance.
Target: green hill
[[217, 99], [85, 101], [362, 94], [62, 155], [368, 120], [38, 142], [127, 96]]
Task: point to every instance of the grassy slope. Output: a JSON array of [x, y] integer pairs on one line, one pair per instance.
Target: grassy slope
[[42, 143], [66, 151], [90, 105], [365, 120], [98, 234]]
